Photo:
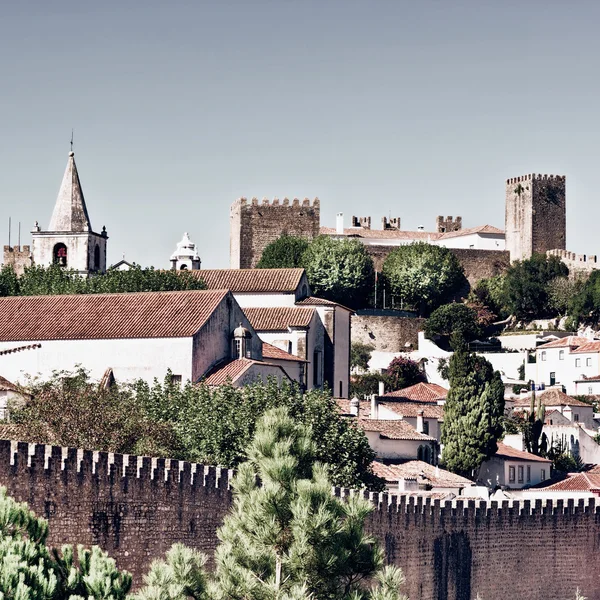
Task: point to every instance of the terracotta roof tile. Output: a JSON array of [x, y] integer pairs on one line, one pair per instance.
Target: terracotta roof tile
[[420, 392], [577, 482], [591, 346], [233, 370], [391, 234], [313, 301], [509, 453], [422, 472], [393, 429], [571, 341], [549, 398], [411, 409], [107, 316], [489, 229], [279, 318], [274, 353], [8, 386], [251, 280]]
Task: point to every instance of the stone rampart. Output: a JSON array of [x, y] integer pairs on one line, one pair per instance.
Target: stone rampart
[[136, 507], [386, 333], [18, 257]]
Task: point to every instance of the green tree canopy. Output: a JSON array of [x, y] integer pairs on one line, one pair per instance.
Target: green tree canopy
[[339, 270], [584, 303], [402, 372], [473, 413], [452, 320], [526, 285], [423, 276], [285, 252], [360, 355]]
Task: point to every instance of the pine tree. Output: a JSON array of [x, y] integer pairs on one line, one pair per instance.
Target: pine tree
[[287, 537], [473, 413]]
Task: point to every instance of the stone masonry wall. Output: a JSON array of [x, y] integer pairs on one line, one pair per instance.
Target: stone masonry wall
[[136, 507], [387, 333], [18, 257], [253, 226]]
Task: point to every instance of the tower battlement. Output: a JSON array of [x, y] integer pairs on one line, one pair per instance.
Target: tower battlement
[[534, 176], [19, 257], [364, 222], [448, 224], [306, 202], [392, 223]]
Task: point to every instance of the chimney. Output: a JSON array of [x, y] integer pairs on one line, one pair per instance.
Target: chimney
[[408, 484], [374, 407], [354, 406], [420, 422], [381, 388], [339, 224]]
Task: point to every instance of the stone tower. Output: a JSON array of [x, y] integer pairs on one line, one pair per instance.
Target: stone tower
[[70, 240], [185, 256], [535, 215], [252, 226]]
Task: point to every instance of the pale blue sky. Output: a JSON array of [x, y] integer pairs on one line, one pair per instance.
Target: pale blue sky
[[376, 107]]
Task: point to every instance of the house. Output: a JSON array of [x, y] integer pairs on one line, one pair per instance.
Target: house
[[294, 367], [578, 485], [587, 386], [416, 475], [9, 394], [420, 392], [289, 288], [140, 335], [244, 371], [514, 469], [572, 409]]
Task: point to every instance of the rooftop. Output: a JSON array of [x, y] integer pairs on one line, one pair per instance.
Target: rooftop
[[8, 386], [232, 371], [283, 281], [420, 392], [571, 341], [590, 346], [509, 453], [403, 409], [279, 318], [314, 301], [395, 234], [422, 472], [577, 482], [274, 353], [553, 397], [107, 316], [482, 230], [393, 429]]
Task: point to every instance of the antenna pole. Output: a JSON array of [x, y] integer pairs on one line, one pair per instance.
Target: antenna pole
[[9, 231], [71, 140], [19, 234]]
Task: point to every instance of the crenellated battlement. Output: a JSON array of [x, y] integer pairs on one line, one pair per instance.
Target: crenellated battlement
[[19, 257], [535, 176], [392, 223], [448, 224], [363, 222], [306, 202]]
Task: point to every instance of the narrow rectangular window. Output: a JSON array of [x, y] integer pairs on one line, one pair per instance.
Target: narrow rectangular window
[[528, 473], [176, 379], [520, 474], [588, 362], [543, 475], [590, 390], [511, 474], [425, 427], [317, 368], [561, 355], [577, 362], [552, 378], [576, 418], [543, 355]]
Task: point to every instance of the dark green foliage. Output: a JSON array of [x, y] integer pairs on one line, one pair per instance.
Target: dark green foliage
[[535, 441], [287, 536], [453, 320], [526, 285], [363, 386], [401, 373], [491, 293], [285, 252], [563, 461], [584, 305], [340, 270], [360, 354], [473, 413], [423, 276], [54, 280]]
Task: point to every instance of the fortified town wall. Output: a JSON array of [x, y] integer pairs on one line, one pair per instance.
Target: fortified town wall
[[385, 330], [137, 507]]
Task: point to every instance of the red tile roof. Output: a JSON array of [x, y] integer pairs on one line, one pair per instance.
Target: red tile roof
[[483, 229], [107, 316], [314, 301], [508, 453], [549, 398], [391, 234], [7, 386], [251, 280], [577, 482], [273, 353], [571, 341], [591, 346], [232, 371], [422, 472], [403, 409], [420, 392], [279, 318], [393, 429]]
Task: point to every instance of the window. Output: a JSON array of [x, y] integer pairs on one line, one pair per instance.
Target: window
[[552, 378], [543, 356], [520, 471], [317, 381], [588, 362], [237, 348], [511, 474], [577, 362], [576, 418], [561, 355], [341, 389], [59, 255], [97, 258], [183, 268], [528, 473], [543, 475], [176, 379], [590, 390], [425, 427]]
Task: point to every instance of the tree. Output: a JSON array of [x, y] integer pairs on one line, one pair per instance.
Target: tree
[[423, 276], [484, 315], [339, 270], [452, 320], [285, 252], [360, 355], [526, 285], [403, 372], [365, 385], [473, 413], [584, 304], [287, 536], [9, 282], [492, 294]]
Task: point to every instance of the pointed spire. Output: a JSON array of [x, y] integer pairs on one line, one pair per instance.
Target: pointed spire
[[70, 212]]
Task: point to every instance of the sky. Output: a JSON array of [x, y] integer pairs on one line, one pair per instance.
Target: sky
[[380, 108]]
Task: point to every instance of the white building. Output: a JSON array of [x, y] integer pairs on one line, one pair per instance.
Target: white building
[[185, 256], [70, 240], [141, 336], [9, 394]]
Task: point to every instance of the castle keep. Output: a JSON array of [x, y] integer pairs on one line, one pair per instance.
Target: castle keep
[[137, 507]]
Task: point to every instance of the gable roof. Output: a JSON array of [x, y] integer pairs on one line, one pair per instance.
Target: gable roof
[[552, 397], [420, 392], [403, 409], [509, 453], [482, 229], [70, 212], [421, 471], [571, 341], [314, 301], [279, 318], [590, 346], [8, 386], [395, 234], [284, 281], [232, 371], [577, 482], [107, 316], [274, 353], [396, 429]]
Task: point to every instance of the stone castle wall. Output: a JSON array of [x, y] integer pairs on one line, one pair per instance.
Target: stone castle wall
[[136, 507], [386, 332], [18, 257], [254, 225]]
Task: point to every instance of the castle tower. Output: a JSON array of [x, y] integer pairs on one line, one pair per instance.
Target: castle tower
[[70, 240], [536, 218], [253, 226], [448, 224], [185, 256]]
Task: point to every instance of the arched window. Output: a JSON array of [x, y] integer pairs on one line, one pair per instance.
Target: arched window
[[420, 453], [59, 255], [97, 258], [427, 454], [183, 268]]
